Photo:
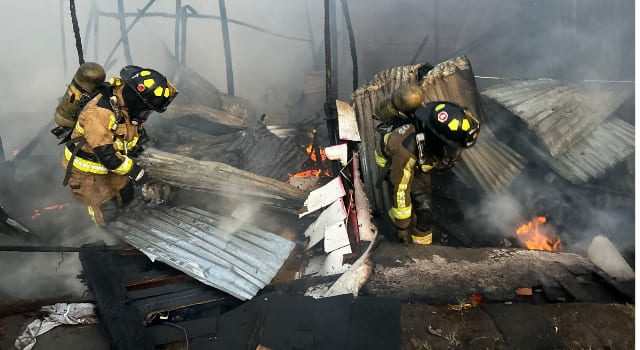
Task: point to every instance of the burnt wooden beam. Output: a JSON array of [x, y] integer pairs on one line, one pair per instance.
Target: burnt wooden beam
[[446, 275], [180, 109], [120, 319], [220, 179]]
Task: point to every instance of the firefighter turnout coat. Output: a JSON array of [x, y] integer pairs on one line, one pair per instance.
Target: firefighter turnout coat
[[91, 183], [397, 150]]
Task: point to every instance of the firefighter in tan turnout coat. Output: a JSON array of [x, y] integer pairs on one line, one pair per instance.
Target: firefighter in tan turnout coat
[[98, 158], [418, 138]]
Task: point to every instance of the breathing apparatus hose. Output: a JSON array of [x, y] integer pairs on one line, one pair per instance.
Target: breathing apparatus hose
[[76, 31]]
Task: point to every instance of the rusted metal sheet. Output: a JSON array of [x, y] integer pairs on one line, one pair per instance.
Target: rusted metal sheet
[[218, 251], [610, 143], [561, 114]]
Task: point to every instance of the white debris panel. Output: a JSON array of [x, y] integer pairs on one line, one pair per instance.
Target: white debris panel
[[221, 252]]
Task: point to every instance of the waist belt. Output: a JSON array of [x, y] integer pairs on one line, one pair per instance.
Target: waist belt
[[82, 154]]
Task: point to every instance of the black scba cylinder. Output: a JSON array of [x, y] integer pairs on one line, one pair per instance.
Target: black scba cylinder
[[88, 78]]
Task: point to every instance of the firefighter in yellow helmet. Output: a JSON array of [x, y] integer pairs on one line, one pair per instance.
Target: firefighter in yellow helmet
[[418, 138], [98, 158]]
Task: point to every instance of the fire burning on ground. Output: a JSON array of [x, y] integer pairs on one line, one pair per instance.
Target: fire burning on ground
[[538, 236], [317, 164]]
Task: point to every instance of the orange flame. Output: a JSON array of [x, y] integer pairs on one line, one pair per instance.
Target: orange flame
[[534, 238]]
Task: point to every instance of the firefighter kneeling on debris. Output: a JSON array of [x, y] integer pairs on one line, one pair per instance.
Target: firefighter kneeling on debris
[[418, 138], [107, 134]]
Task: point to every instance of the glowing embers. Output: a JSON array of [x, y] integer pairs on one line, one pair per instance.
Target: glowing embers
[[538, 236], [61, 206]]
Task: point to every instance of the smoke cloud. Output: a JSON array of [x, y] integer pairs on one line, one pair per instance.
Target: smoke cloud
[[567, 40]]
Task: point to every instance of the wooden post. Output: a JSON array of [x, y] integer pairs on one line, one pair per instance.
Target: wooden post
[[227, 47], [123, 32]]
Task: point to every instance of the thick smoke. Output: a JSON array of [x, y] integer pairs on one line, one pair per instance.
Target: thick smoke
[[568, 40]]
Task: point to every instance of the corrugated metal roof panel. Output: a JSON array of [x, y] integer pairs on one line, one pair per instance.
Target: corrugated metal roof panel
[[490, 162], [611, 142], [218, 251], [561, 114]]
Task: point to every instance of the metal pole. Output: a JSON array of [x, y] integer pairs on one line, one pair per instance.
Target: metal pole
[[64, 43], [123, 33], [124, 37], [176, 50], [420, 47], [435, 32], [352, 43], [330, 109], [96, 26], [87, 31], [312, 45], [334, 47], [183, 32], [227, 46]]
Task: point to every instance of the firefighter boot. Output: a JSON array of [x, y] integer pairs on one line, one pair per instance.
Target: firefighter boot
[[422, 237], [105, 212], [404, 236], [421, 232]]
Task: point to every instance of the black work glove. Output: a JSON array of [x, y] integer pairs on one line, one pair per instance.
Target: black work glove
[[135, 152], [137, 175]]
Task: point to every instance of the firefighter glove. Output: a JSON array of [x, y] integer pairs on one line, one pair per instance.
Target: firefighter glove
[[137, 149], [137, 175]]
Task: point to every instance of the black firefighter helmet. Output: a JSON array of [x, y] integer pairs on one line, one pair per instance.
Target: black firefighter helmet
[[452, 124], [151, 87]]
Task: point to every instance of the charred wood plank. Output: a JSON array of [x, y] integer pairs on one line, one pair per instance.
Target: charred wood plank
[[263, 153], [182, 108], [120, 318], [195, 89], [220, 179]]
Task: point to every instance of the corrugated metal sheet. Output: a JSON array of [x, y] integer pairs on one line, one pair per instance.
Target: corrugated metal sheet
[[218, 251], [611, 142], [486, 162], [561, 114]]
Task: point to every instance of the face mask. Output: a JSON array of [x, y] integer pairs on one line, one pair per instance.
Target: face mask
[[140, 118]]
